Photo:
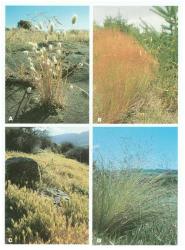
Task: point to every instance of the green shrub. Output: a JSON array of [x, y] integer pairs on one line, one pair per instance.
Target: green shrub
[[78, 153], [66, 146], [24, 24]]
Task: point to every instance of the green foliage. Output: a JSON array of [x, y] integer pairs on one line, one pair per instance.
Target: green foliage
[[78, 153], [25, 139], [24, 24], [66, 146], [169, 13], [121, 24]]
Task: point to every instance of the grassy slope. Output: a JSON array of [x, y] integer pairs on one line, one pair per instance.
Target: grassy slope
[[34, 218]]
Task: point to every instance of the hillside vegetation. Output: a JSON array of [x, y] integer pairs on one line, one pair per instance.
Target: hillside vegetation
[[32, 216]]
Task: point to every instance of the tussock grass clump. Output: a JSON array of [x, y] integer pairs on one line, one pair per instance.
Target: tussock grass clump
[[123, 71], [130, 207], [47, 72]]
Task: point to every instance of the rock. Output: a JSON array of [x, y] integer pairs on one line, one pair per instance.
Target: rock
[[57, 195], [23, 171]]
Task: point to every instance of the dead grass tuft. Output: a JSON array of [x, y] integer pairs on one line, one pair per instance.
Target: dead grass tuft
[[123, 71]]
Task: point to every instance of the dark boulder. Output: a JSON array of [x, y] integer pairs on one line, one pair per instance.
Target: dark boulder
[[23, 171]]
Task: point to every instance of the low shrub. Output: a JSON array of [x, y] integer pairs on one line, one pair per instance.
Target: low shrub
[[66, 146], [78, 153]]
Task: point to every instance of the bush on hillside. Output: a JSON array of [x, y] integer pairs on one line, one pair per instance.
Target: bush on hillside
[[26, 140], [66, 146], [78, 153]]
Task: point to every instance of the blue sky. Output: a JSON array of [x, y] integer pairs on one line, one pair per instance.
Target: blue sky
[[146, 147], [63, 13]]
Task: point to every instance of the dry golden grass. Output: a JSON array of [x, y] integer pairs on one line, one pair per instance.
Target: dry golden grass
[[123, 71], [41, 221], [20, 36]]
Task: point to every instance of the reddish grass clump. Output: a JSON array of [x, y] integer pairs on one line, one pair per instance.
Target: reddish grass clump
[[123, 71]]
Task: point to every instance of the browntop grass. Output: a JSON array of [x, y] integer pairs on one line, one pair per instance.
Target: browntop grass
[[123, 71]]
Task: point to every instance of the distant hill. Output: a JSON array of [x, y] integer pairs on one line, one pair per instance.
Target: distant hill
[[81, 139], [160, 171]]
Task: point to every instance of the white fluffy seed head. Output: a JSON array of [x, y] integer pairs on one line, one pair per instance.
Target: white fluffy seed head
[[59, 45], [31, 64], [59, 52], [43, 50], [48, 62], [54, 60], [29, 89], [34, 45], [80, 64], [51, 28], [26, 52], [50, 47], [32, 69], [37, 79]]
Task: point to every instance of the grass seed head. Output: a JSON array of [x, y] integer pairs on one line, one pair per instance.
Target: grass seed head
[[74, 19], [50, 47]]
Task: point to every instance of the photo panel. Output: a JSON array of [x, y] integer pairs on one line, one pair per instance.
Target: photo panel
[[47, 185], [135, 64], [135, 177], [47, 64]]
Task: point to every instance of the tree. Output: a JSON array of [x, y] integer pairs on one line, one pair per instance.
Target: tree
[[27, 140], [170, 15], [24, 24], [66, 146], [79, 153]]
